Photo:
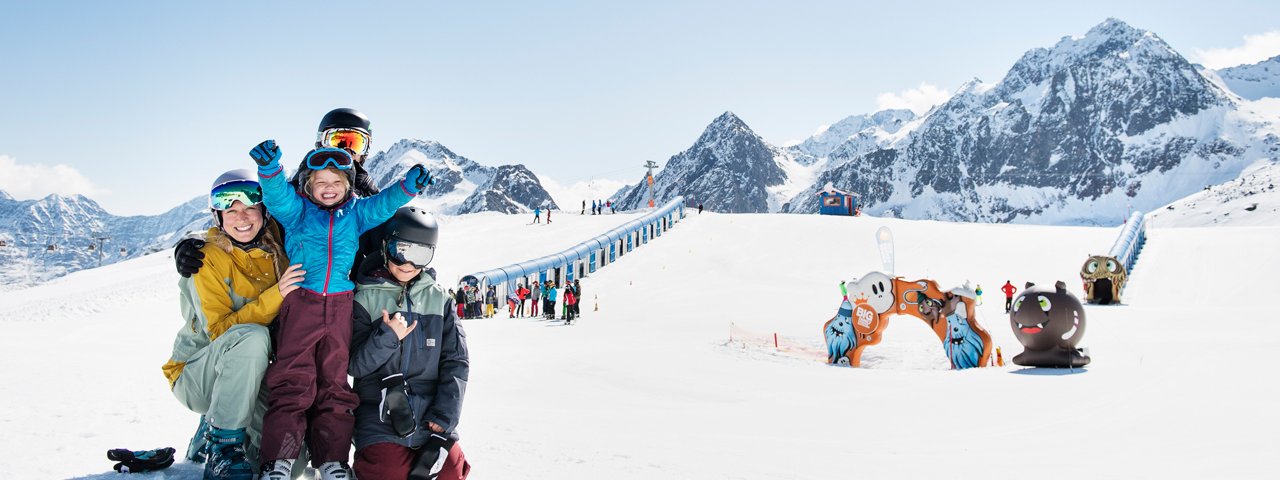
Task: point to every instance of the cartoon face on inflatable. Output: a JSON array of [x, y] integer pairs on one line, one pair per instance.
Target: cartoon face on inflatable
[[1044, 318], [875, 289], [1102, 267]]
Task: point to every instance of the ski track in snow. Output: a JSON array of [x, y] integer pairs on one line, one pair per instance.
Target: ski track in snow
[[651, 386]]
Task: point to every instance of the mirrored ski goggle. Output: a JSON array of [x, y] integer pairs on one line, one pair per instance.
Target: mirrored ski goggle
[[402, 252], [322, 158], [354, 140], [243, 191]]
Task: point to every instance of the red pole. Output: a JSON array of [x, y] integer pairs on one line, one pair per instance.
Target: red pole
[[775, 340]]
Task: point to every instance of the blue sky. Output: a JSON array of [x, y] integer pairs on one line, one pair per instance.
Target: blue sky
[[139, 105]]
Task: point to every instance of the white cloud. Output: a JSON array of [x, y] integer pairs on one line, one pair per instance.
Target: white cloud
[[25, 182], [1256, 48], [918, 100]]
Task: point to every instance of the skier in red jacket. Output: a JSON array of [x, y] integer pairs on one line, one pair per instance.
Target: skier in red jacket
[[1008, 290]]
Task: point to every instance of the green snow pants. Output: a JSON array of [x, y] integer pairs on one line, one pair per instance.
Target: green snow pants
[[223, 382]]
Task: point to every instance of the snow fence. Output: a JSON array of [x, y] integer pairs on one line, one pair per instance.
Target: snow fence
[[584, 258], [1129, 244]]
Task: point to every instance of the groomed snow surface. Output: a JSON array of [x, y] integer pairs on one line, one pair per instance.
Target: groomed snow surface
[[1182, 383]]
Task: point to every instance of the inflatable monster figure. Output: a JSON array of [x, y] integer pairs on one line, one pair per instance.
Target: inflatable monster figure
[[873, 298], [1049, 323], [1103, 278]]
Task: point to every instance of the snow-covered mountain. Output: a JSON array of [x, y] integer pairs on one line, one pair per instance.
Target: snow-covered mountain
[[1251, 200], [1254, 81], [82, 235], [1077, 134], [728, 169], [854, 135], [461, 185]]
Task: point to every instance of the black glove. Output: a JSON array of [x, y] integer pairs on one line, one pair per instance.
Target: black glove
[[141, 461], [395, 408], [188, 257], [431, 459]]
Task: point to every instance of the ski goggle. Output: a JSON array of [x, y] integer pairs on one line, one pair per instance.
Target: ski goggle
[[322, 158], [402, 252], [354, 140], [243, 191]]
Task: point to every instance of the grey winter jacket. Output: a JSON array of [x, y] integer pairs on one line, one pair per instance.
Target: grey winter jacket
[[433, 357]]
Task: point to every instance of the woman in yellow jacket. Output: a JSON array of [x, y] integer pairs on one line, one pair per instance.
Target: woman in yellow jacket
[[221, 352]]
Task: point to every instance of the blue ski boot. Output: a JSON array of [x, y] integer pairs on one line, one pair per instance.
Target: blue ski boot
[[198, 448], [226, 456]]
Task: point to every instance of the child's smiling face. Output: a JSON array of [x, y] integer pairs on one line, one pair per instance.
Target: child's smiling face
[[328, 187]]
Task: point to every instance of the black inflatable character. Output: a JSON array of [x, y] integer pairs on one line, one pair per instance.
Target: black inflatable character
[[1049, 323]]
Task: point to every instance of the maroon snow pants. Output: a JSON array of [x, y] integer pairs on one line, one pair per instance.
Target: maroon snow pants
[[309, 395], [393, 462]]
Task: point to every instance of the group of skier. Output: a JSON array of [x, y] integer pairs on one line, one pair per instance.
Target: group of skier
[[545, 296], [598, 207], [299, 284], [473, 304]]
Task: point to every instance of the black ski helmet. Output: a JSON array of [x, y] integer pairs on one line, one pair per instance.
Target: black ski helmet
[[345, 118], [412, 224]]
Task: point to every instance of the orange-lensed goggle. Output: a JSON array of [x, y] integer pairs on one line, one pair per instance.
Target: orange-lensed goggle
[[353, 140]]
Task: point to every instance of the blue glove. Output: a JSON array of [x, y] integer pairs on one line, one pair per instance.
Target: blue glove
[[418, 178], [266, 154]]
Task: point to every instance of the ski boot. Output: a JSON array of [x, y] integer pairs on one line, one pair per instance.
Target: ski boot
[[198, 447], [226, 456], [277, 470], [336, 471]]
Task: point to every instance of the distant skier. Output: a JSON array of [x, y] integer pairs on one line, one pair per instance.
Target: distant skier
[[513, 299], [535, 294], [979, 292], [584, 208], [570, 301], [593, 207], [699, 209], [549, 300], [522, 294], [548, 215], [1008, 290], [577, 294], [537, 215]]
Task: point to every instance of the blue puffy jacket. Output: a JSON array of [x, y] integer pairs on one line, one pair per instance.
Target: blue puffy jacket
[[325, 240]]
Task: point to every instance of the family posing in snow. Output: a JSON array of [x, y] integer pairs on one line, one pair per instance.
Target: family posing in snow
[[299, 284]]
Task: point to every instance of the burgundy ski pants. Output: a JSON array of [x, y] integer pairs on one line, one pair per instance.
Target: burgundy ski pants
[[309, 395], [393, 462]]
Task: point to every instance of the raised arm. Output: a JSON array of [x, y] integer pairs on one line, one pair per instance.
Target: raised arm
[[372, 211], [283, 203]]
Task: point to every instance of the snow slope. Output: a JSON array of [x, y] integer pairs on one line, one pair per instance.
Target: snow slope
[[649, 386]]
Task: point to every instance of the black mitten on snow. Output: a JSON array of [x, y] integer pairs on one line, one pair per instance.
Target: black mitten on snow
[[431, 459], [142, 460], [395, 408], [188, 256]]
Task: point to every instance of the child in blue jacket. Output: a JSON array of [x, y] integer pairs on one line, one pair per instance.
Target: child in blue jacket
[[309, 396]]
